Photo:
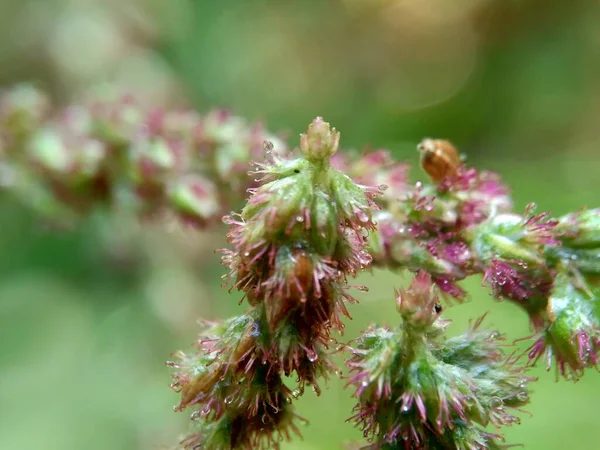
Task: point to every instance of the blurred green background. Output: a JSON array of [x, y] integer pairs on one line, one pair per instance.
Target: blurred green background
[[88, 316]]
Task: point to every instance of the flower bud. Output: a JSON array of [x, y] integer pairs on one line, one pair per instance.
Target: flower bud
[[320, 141], [572, 336], [195, 198], [581, 229], [418, 303], [417, 388], [89, 159], [47, 148], [68, 159], [116, 119], [152, 159], [504, 236], [22, 109], [584, 260]]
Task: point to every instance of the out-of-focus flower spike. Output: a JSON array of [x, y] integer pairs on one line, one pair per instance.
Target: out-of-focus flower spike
[[112, 148]]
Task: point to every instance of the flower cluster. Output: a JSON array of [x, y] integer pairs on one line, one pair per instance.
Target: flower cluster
[[111, 149], [313, 219], [419, 389], [462, 224], [428, 226], [302, 232]]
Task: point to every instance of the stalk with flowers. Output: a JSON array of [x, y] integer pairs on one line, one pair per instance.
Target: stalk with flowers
[[314, 218]]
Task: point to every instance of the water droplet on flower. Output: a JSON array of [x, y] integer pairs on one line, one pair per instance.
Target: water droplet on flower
[[364, 383], [312, 355], [362, 216], [405, 408], [299, 219], [246, 253]]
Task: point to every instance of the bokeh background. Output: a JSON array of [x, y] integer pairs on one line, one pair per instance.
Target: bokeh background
[[88, 316]]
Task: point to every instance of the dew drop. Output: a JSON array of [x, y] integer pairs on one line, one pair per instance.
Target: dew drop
[[362, 216], [312, 355], [299, 219]]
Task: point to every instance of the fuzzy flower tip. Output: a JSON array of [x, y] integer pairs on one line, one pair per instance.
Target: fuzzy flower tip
[[418, 388], [301, 234], [238, 401], [570, 335]]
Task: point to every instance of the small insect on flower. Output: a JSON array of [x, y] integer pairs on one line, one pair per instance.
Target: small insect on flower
[[439, 158]]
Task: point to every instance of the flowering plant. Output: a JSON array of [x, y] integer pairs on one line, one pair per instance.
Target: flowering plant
[[314, 218]]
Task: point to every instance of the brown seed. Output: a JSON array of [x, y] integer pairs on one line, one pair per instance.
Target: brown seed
[[202, 384], [439, 158], [303, 270]]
